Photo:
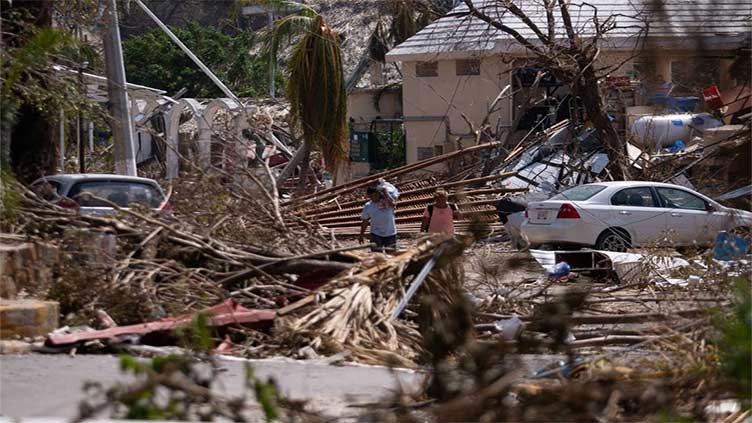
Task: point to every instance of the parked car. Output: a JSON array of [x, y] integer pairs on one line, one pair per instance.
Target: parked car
[[84, 192], [617, 215]]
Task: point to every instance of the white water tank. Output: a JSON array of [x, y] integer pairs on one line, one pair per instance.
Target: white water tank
[[662, 130]]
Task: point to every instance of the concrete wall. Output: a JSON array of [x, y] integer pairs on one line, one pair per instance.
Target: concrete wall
[[663, 63], [433, 106], [361, 105]]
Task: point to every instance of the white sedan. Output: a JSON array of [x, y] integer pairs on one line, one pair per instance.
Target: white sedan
[[617, 215]]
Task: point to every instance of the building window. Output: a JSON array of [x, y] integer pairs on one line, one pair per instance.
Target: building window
[[425, 153], [468, 67], [427, 69], [428, 152]]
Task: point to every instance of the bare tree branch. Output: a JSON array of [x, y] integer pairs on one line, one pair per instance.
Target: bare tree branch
[[527, 21], [501, 27], [568, 23], [549, 4]]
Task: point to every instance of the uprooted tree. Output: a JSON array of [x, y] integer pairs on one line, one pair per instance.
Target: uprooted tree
[[566, 48]]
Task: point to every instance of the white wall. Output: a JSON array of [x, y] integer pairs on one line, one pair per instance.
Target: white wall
[[433, 106]]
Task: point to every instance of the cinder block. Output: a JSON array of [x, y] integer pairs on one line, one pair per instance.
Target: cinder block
[[28, 318]]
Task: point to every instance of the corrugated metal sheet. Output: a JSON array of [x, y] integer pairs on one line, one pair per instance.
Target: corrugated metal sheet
[[721, 23]]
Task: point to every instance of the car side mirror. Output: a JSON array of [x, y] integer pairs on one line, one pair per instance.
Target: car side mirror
[[709, 207]]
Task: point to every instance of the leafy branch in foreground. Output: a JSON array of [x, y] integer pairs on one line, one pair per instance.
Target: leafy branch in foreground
[[179, 387]]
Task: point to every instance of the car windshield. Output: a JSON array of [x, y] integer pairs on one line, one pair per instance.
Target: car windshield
[[579, 193], [122, 193]]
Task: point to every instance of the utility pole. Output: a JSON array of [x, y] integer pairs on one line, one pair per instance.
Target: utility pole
[[272, 65], [61, 140], [82, 91], [80, 123], [125, 157]]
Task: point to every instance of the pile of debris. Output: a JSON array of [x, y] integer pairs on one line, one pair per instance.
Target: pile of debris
[[127, 273], [337, 209]]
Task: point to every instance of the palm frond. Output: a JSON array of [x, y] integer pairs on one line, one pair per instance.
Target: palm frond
[[287, 7], [284, 31], [36, 53], [316, 91], [316, 80]]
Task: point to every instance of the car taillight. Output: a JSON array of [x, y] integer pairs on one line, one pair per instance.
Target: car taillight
[[67, 203], [567, 211], [166, 207]]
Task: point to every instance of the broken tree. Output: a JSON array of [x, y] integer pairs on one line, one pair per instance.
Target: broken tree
[[571, 57]]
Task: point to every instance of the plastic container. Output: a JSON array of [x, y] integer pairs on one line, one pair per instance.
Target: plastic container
[[560, 270], [663, 130]]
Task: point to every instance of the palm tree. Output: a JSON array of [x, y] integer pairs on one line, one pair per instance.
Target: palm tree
[[316, 81]]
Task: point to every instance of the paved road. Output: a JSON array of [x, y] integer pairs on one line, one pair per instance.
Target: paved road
[[50, 385]]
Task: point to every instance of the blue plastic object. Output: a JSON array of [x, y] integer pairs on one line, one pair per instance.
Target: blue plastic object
[[585, 134], [560, 270], [683, 104], [676, 147], [729, 247]]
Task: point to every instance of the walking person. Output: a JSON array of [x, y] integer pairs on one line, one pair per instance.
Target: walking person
[[439, 217], [378, 212]]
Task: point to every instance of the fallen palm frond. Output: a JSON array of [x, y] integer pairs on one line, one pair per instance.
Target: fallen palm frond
[[353, 309]]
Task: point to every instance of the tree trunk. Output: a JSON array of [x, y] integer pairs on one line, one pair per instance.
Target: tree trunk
[[604, 130], [294, 162], [31, 149], [304, 167]]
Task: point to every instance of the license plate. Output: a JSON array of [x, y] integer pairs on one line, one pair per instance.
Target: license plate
[[542, 215]]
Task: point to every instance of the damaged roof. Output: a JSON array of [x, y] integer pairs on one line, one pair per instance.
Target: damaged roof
[[680, 24]]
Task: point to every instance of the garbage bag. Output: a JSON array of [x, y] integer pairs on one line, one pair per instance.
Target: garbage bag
[[389, 190]]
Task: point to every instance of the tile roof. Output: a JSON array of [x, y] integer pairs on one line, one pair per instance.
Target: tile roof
[[720, 23]]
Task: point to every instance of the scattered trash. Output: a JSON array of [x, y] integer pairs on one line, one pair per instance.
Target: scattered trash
[[510, 329], [729, 247], [560, 270], [676, 147]]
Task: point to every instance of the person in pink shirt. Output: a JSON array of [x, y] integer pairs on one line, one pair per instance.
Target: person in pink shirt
[[439, 216]]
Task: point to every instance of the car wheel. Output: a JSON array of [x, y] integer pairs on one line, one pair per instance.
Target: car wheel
[[613, 240]]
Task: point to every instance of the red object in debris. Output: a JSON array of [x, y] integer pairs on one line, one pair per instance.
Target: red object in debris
[[67, 203], [277, 159], [226, 313], [567, 211], [712, 97]]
